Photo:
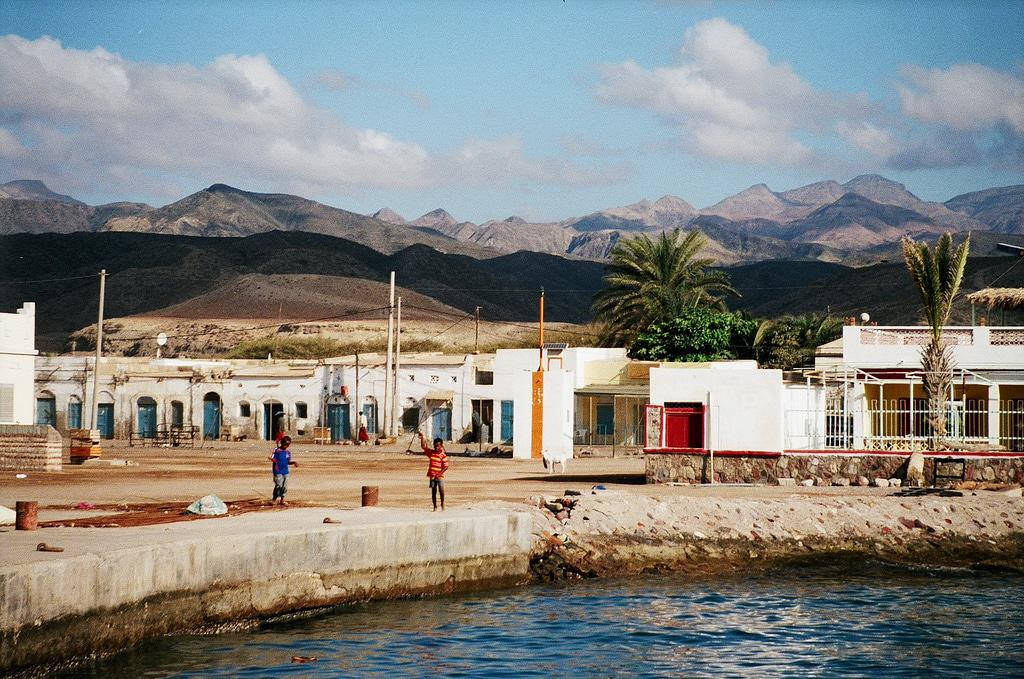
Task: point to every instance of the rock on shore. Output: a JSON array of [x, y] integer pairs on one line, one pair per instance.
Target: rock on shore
[[618, 533]]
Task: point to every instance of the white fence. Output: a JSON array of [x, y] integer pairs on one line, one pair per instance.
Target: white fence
[[904, 425]]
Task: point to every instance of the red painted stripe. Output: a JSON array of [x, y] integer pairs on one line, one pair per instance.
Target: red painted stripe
[[827, 453]]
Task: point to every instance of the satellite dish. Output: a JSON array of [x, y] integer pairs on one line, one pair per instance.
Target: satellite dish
[[864, 317], [161, 339]]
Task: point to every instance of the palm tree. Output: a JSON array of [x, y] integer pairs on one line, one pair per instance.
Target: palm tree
[[789, 341], [648, 281], [938, 275]]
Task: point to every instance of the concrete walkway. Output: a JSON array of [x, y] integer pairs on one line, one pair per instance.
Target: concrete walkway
[[112, 587]]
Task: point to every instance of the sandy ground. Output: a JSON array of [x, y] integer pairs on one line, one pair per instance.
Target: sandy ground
[[333, 475]]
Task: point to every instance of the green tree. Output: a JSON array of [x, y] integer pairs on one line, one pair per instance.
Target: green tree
[[649, 281], [697, 334], [937, 274], [789, 341]]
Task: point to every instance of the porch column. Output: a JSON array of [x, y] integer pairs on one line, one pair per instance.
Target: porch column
[[993, 415], [858, 408]]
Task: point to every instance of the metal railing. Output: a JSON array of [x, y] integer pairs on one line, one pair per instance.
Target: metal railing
[[906, 425]]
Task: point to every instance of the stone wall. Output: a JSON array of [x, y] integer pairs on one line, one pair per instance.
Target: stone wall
[[823, 469], [30, 447]]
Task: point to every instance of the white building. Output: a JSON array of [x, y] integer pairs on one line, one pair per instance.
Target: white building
[[17, 364], [875, 397], [568, 373], [451, 397]]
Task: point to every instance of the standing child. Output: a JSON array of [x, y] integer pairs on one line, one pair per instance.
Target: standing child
[[437, 465], [282, 459]]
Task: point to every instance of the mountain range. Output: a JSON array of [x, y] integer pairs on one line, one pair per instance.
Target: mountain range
[[857, 223]]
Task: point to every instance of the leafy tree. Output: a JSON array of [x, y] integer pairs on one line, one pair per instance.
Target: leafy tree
[[697, 334], [937, 274], [650, 281], [789, 342]]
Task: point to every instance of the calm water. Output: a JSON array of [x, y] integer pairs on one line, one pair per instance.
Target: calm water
[[829, 623]]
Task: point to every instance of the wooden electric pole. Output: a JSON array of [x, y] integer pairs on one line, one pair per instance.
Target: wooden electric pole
[[99, 353], [476, 341]]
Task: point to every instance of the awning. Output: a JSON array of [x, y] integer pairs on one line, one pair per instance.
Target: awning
[[439, 395], [638, 390]]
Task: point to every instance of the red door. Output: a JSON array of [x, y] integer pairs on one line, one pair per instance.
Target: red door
[[684, 427]]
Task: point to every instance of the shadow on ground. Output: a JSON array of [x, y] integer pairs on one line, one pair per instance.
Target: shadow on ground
[[627, 479]]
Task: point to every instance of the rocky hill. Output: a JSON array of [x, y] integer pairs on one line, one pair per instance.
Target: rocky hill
[[1002, 209], [826, 220]]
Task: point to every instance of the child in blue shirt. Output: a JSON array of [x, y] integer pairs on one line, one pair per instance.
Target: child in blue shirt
[[282, 459]]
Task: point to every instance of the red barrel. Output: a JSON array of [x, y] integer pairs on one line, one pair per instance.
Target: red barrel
[[370, 496], [26, 515]]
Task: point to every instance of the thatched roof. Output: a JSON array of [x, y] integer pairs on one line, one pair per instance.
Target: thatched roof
[[999, 298]]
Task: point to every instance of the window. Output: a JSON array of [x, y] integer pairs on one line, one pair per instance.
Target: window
[[74, 413], [484, 376], [301, 410], [6, 402], [434, 379], [244, 410], [412, 378], [455, 378]]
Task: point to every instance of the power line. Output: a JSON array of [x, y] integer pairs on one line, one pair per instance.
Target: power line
[[49, 280]]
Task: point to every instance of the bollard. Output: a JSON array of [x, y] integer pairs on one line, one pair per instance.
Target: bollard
[[370, 496], [26, 515]]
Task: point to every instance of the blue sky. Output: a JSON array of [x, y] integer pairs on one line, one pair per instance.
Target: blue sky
[[542, 109]]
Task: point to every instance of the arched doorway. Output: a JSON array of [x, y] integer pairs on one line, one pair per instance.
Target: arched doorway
[[46, 409], [211, 416], [338, 420], [105, 415], [74, 412], [273, 419], [146, 418]]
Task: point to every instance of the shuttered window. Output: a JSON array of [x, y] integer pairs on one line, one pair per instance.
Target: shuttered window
[[6, 403]]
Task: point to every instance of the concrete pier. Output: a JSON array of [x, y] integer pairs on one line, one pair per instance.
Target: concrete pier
[[113, 587]]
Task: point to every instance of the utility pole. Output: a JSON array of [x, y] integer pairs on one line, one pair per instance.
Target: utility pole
[[387, 366], [394, 382], [476, 341], [359, 404], [537, 390], [99, 353]]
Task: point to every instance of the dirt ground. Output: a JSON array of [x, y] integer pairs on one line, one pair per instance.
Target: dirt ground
[[333, 475]]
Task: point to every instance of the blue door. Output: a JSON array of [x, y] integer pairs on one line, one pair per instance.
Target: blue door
[[506, 421], [370, 411], [441, 423], [337, 420], [75, 415], [211, 417], [105, 420], [147, 417], [605, 420], [46, 411]]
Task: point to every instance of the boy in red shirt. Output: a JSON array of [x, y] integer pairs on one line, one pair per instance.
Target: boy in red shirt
[[437, 465]]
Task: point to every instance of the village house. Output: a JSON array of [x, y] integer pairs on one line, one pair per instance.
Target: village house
[[450, 397], [17, 360]]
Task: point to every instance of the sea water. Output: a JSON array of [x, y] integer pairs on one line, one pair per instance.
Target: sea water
[[874, 621]]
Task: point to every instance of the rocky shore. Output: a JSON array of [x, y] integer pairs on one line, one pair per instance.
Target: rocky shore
[[605, 533]]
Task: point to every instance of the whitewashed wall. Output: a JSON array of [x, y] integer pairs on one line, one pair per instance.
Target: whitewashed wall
[[746, 403], [17, 364]]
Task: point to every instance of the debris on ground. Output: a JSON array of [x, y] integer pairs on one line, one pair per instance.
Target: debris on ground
[[7, 516], [43, 547], [85, 505], [208, 505], [328, 519]]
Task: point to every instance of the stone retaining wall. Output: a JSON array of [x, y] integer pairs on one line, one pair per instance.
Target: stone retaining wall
[[824, 469], [30, 448]]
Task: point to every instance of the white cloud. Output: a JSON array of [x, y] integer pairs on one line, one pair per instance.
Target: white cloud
[[964, 97], [90, 120], [728, 100]]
